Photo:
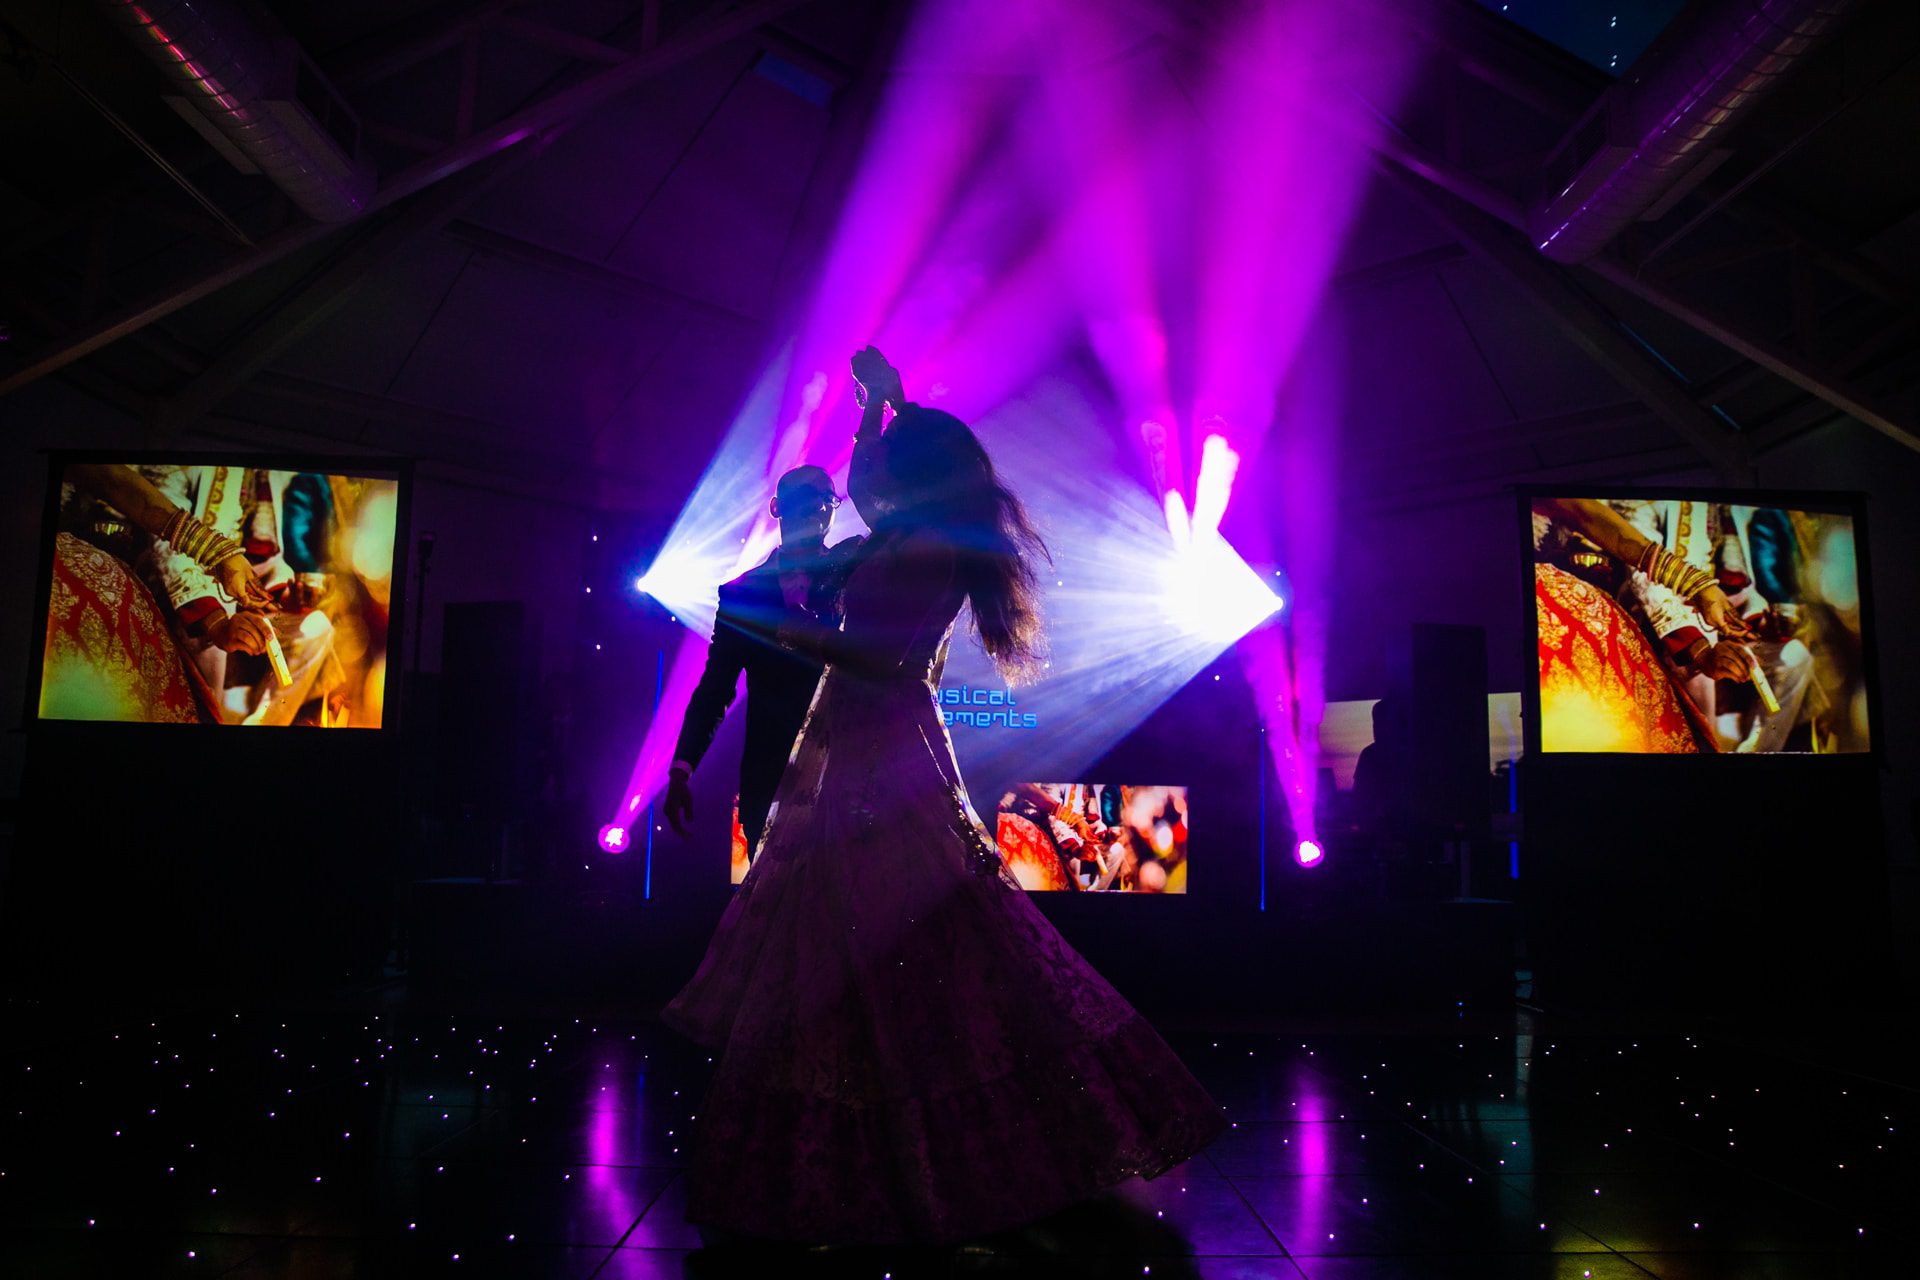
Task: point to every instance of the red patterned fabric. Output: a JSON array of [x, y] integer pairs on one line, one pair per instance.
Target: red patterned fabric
[[1029, 854], [1602, 687], [109, 653]]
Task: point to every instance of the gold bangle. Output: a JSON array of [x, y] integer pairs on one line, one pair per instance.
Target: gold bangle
[[1673, 572], [203, 544], [1657, 565], [1670, 571]]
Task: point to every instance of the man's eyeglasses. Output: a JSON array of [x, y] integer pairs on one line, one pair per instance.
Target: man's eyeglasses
[[810, 500]]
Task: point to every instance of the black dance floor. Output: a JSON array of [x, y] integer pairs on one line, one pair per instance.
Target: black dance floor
[[405, 1144]]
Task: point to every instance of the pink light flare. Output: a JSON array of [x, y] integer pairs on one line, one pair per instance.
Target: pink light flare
[[1276, 190], [943, 108], [1206, 588], [1268, 658], [614, 838], [1106, 143], [941, 117], [649, 776], [1219, 464]]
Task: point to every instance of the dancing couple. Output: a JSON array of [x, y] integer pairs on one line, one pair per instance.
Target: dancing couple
[[906, 1050]]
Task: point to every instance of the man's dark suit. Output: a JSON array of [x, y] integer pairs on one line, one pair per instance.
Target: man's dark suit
[[780, 684]]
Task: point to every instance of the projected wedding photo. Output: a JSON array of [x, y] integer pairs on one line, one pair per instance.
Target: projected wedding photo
[[219, 595], [1675, 626], [1094, 838]]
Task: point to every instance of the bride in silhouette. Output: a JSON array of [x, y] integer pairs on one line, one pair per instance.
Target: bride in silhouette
[[907, 1051]]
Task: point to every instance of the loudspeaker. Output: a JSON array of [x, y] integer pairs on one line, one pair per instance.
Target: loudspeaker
[[489, 668], [1445, 679]]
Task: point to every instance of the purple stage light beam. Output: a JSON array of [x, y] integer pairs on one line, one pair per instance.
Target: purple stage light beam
[[1279, 193], [935, 121]]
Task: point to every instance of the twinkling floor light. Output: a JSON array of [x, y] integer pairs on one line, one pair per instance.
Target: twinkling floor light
[[1585, 1108]]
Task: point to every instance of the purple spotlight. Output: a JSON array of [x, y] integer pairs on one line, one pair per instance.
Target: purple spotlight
[[1309, 853], [614, 837]]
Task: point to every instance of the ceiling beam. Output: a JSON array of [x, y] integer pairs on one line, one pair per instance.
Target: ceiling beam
[[551, 483], [65, 349], [1517, 431], [1590, 327], [570, 105], [574, 46], [407, 44], [1452, 490], [501, 245], [1792, 366], [308, 304], [1376, 273], [459, 430], [449, 447], [1378, 132], [1502, 55], [717, 26]]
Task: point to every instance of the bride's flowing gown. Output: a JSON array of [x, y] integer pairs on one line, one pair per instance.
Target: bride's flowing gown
[[906, 1050]]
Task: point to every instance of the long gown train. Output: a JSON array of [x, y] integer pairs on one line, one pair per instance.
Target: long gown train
[[906, 1048]]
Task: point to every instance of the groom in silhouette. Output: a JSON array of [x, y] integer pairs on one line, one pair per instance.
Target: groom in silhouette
[[801, 580]]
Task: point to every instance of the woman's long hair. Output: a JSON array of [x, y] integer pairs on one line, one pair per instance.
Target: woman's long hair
[[942, 477]]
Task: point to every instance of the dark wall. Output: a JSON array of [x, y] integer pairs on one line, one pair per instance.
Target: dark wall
[[1452, 563], [192, 849], [490, 545], [1460, 563]]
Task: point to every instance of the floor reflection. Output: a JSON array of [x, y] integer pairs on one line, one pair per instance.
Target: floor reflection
[[403, 1143]]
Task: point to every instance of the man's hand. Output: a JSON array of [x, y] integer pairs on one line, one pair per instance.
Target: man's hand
[[1721, 615], [245, 632], [679, 801], [1729, 661], [298, 596], [1776, 623], [236, 576]]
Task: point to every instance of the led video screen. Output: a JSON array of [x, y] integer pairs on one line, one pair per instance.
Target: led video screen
[[197, 593], [1077, 837], [1094, 837], [1693, 626]]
